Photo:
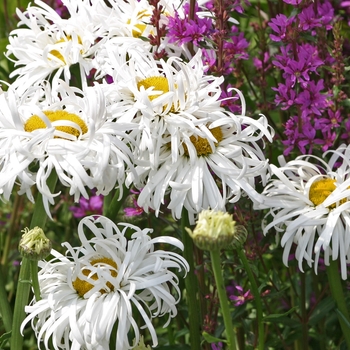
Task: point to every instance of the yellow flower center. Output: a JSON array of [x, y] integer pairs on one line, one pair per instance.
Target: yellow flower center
[[320, 190], [58, 54], [202, 145], [82, 286], [140, 26], [159, 83], [35, 122]]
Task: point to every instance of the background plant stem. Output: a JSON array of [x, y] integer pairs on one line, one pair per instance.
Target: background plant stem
[[224, 304], [191, 284], [24, 281], [257, 298], [337, 292]]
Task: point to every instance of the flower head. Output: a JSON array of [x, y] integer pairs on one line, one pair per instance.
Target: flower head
[[49, 45], [214, 230], [187, 142], [88, 206], [95, 286], [34, 245], [309, 203], [65, 131]]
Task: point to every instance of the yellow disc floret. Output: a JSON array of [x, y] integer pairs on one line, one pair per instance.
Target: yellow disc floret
[[202, 145], [159, 83], [57, 53], [35, 122], [141, 16], [83, 286], [320, 190]]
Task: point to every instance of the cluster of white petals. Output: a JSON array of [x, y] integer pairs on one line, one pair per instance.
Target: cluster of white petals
[[117, 279], [44, 44], [308, 202], [175, 103], [32, 146]]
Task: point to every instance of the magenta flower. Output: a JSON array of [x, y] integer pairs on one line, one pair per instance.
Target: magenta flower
[[217, 346], [241, 297], [91, 206], [184, 30], [282, 26], [286, 95], [135, 210], [308, 19], [311, 99], [229, 101]]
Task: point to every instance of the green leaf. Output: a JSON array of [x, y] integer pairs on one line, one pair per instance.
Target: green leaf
[[275, 317], [4, 339], [211, 339], [340, 314]]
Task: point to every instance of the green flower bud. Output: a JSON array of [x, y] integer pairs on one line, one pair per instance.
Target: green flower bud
[[34, 245], [217, 230], [141, 345]]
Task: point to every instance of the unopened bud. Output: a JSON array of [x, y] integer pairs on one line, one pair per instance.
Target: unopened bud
[[141, 345], [34, 245], [216, 230]]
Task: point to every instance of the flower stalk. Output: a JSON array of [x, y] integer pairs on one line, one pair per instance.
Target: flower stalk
[[24, 281], [224, 303], [257, 298], [191, 284], [338, 295]]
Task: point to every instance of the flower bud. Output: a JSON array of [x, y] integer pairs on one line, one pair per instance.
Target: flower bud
[[34, 245], [141, 345], [216, 230]]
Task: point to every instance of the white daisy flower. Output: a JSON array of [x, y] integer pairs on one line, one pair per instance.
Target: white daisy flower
[[129, 25], [308, 202], [105, 282], [45, 44], [186, 141], [66, 132]]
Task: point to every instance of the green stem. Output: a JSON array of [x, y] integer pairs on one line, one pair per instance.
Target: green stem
[[338, 295], [35, 280], [191, 284], [113, 202], [23, 288], [304, 318], [22, 295], [224, 304], [5, 308], [257, 298]]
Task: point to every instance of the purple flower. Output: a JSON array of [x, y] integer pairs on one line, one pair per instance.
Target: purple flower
[[327, 124], [346, 135], [308, 19], [286, 95], [91, 206], [241, 297], [328, 139], [208, 58], [135, 210], [217, 346], [228, 101], [326, 13], [311, 100], [281, 25], [293, 2], [263, 64], [184, 30], [296, 71]]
